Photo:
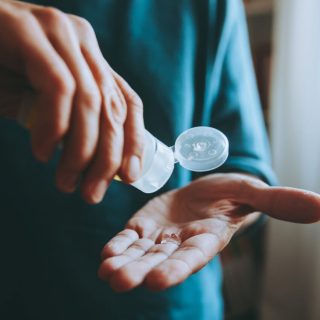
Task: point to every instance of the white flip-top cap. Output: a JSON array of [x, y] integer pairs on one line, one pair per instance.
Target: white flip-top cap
[[201, 149]]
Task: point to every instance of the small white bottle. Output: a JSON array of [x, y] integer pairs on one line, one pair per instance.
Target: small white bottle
[[196, 149]]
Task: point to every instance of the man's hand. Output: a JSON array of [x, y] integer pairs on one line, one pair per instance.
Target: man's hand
[[78, 98], [179, 232]]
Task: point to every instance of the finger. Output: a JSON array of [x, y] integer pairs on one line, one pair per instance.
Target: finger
[[133, 273], [81, 142], [134, 133], [119, 243], [108, 156], [53, 83], [191, 256], [100, 68], [288, 204], [136, 250], [105, 163]]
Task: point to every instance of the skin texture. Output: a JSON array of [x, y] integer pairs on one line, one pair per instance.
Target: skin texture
[[195, 223], [77, 98]]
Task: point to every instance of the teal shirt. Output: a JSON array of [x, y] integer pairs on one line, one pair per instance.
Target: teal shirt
[[190, 63]]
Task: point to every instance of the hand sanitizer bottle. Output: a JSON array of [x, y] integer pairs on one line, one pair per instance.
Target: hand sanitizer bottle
[[197, 149]]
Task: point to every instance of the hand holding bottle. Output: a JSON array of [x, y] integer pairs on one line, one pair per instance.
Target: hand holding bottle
[[54, 59]]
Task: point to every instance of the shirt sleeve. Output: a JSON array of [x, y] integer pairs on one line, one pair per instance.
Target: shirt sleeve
[[236, 108]]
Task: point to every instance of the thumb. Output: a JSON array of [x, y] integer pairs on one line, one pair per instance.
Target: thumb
[[288, 204]]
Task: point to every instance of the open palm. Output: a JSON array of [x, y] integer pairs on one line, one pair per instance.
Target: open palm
[[179, 232]]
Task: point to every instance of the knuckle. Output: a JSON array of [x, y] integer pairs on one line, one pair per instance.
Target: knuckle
[[83, 25], [91, 99], [25, 21], [107, 88], [135, 102], [52, 16], [62, 84], [116, 110], [21, 20]]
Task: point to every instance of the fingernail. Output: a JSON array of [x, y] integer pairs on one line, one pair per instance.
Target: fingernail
[[68, 183], [134, 168], [98, 190]]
